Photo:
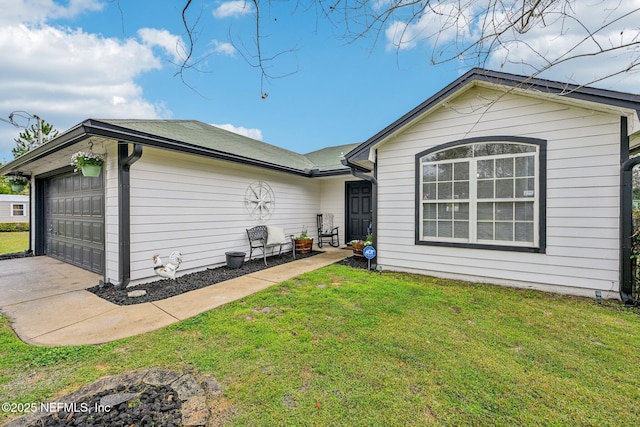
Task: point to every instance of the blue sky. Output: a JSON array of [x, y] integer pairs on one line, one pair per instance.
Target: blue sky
[[67, 61]]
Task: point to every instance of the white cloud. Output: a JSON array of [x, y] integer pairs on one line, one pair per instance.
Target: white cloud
[[560, 39], [66, 75], [443, 21], [251, 133], [233, 9], [549, 40], [172, 44], [223, 48], [40, 11]]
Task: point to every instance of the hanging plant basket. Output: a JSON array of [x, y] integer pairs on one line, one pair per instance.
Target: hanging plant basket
[[88, 162], [16, 182], [91, 170]]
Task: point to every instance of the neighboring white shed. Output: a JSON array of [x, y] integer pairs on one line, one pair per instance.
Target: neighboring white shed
[[507, 180], [14, 208]]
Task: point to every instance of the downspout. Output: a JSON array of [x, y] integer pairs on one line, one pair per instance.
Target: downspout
[[124, 209], [626, 218]]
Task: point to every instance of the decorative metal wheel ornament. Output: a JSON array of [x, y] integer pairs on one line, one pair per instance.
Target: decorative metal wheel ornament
[[260, 200]]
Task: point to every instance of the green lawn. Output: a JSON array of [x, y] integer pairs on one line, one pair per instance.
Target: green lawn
[[346, 347], [17, 241]]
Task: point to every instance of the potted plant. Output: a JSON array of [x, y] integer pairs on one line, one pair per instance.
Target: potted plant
[[358, 245], [303, 242], [88, 162], [17, 182]]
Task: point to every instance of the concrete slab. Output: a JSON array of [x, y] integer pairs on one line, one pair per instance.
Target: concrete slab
[[287, 271], [40, 316], [48, 304], [121, 322], [26, 279], [195, 302]]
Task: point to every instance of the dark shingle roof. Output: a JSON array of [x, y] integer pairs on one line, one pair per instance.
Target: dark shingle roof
[[194, 137], [330, 158], [200, 134]]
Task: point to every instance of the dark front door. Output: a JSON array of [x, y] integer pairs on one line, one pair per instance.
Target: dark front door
[[74, 220], [359, 209]]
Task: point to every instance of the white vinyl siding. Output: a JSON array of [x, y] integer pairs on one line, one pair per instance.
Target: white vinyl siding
[[196, 206], [14, 208], [332, 200], [582, 201]]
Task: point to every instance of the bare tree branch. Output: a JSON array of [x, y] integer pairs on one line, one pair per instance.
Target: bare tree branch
[[469, 31]]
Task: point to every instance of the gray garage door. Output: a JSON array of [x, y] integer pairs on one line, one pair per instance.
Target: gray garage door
[[74, 220]]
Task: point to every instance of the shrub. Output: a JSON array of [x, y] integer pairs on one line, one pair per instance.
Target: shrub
[[13, 226]]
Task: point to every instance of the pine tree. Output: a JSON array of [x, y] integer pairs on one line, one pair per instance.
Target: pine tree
[[28, 140]]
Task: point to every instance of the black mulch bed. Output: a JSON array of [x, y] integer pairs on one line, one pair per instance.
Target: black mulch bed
[[137, 405], [166, 288], [355, 262]]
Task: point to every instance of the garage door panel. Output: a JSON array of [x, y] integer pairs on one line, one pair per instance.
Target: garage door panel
[[97, 206], [98, 233], [70, 227], [76, 251], [74, 220]]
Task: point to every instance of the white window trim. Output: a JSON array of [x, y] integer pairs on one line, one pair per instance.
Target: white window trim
[[24, 209], [472, 241]]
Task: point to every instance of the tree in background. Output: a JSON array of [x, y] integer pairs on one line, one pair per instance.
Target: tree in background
[[636, 183], [28, 140], [4, 187]]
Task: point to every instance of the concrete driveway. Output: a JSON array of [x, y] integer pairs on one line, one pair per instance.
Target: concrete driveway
[[48, 304]]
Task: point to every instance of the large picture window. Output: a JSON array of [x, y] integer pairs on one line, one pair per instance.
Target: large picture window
[[482, 192]]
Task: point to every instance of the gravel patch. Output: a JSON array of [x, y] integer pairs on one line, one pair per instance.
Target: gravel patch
[[167, 288], [137, 405], [154, 397]]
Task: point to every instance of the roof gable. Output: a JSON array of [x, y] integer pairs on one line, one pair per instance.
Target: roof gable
[[581, 95]]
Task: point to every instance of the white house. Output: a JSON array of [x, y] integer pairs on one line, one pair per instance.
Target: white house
[[508, 180], [176, 186], [496, 178], [14, 208]]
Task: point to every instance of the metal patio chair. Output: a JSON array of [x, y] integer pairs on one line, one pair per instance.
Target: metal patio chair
[[326, 230]]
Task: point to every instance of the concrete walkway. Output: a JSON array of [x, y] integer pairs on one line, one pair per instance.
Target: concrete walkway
[[48, 303]]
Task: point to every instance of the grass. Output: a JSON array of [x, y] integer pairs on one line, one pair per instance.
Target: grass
[[11, 242], [347, 347]]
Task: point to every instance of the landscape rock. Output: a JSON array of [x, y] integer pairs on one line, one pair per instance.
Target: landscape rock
[[195, 411], [160, 376], [115, 399], [137, 293], [186, 387]]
